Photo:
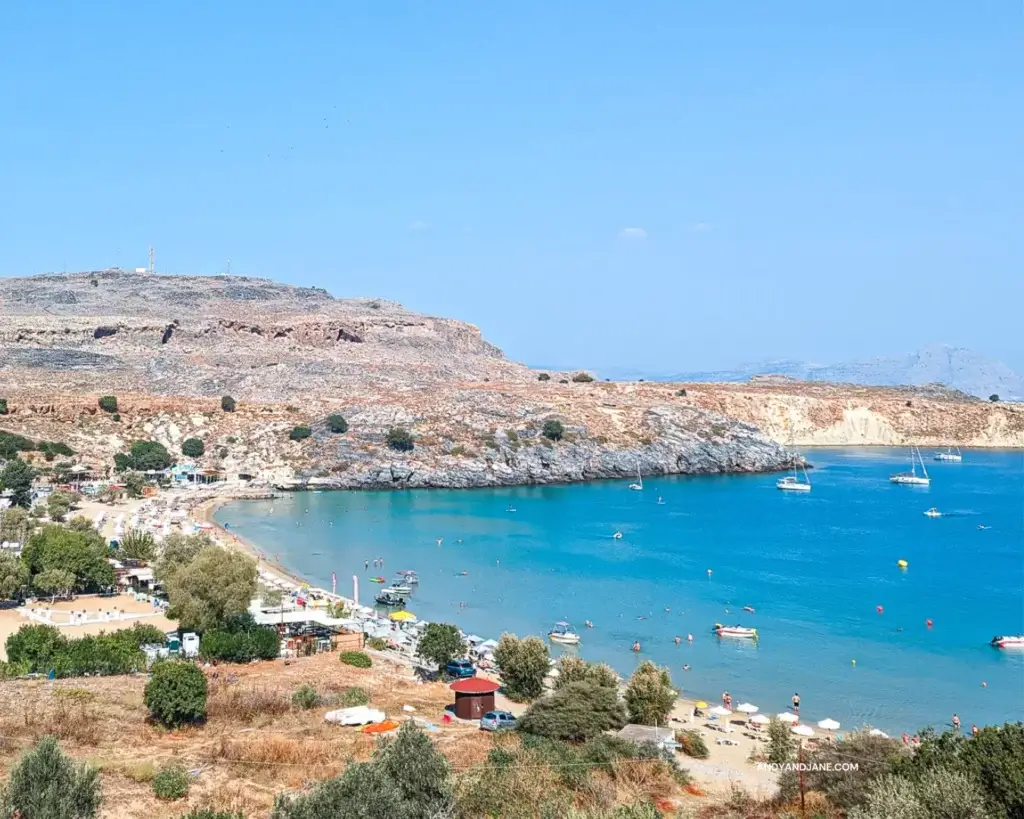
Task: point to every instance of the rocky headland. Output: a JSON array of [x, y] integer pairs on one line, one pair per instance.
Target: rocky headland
[[168, 347]]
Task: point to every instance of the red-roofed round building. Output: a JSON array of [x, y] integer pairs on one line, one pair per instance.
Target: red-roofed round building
[[474, 697]]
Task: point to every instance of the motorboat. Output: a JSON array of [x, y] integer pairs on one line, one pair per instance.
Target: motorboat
[[949, 455], [911, 478], [399, 589], [617, 536], [562, 632], [735, 631], [933, 513], [1008, 642], [409, 577], [392, 601]]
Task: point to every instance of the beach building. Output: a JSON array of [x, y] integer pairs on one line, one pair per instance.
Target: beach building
[[474, 697]]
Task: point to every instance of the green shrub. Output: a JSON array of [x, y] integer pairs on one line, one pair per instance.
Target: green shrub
[[241, 646], [210, 813], [524, 665], [305, 698], [692, 744], [649, 695], [108, 403], [193, 448], [355, 696], [176, 693], [681, 393], [46, 784], [3, 406], [563, 380], [994, 398], [300, 433], [575, 712], [171, 782], [143, 456], [232, 439], [399, 439], [553, 430], [335, 423], [543, 377], [227, 403], [358, 659], [116, 418], [377, 643], [222, 452], [583, 378]]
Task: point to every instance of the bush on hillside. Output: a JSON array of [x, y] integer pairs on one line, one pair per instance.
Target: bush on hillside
[[337, 424], [143, 456], [692, 744], [357, 659], [681, 393], [575, 713], [176, 693], [355, 696], [227, 403], [193, 448], [46, 784], [3, 406], [650, 695], [553, 430], [299, 433], [108, 403], [399, 440], [543, 377], [171, 782], [305, 698], [583, 378], [240, 646], [573, 669], [994, 398]]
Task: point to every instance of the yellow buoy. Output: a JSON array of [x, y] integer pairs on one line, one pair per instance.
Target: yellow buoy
[[902, 564]]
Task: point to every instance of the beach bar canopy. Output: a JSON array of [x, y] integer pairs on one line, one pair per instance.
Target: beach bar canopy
[[474, 697]]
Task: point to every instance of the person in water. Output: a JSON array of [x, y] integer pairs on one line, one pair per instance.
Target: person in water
[[677, 641], [796, 703], [956, 723], [636, 646]]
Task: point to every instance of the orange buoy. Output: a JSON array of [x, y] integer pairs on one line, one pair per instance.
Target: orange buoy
[[878, 609]]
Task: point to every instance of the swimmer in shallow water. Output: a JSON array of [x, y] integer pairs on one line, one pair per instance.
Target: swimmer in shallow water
[[636, 646]]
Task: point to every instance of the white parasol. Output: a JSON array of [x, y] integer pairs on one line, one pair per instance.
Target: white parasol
[[747, 708], [876, 733], [760, 719], [720, 711], [829, 725], [803, 730], [786, 716]]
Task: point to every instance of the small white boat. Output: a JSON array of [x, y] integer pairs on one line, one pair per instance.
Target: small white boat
[[639, 485], [398, 588], [911, 478], [617, 536], [933, 513], [1008, 642], [735, 631], [949, 455], [791, 483], [562, 632]]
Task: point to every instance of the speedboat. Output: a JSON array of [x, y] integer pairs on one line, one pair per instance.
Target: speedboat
[[617, 536], [409, 577], [949, 455], [735, 631], [562, 632], [399, 589], [392, 601], [791, 483], [1008, 642], [933, 513]]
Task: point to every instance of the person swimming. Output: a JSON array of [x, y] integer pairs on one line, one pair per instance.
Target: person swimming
[[588, 624], [636, 646]]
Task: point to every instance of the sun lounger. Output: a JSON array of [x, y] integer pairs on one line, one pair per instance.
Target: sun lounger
[[725, 741]]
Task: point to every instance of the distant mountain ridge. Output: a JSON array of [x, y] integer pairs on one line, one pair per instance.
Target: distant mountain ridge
[[955, 367]]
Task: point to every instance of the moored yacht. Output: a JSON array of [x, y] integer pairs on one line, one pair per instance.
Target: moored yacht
[[950, 455], [911, 478]]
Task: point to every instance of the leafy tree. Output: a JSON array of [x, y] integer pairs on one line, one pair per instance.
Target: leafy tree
[[271, 598], [13, 575], [781, 745], [583, 378], [575, 669], [133, 484], [83, 553], [46, 784], [649, 695], [337, 424], [176, 693], [993, 398], [177, 551], [11, 444], [575, 712], [193, 448], [59, 503], [227, 403], [299, 433], [16, 478], [3, 406], [215, 586], [137, 544], [108, 403], [240, 646], [406, 776], [35, 645], [144, 456], [399, 439], [54, 582], [440, 643], [543, 377], [14, 524], [553, 430], [524, 665], [942, 793]]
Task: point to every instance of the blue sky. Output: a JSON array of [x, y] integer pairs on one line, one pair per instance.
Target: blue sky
[[662, 185]]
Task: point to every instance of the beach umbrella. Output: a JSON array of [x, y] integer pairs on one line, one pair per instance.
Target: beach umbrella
[[700, 704], [803, 730], [402, 616], [786, 716], [747, 708], [829, 725], [876, 733], [720, 711], [760, 719]]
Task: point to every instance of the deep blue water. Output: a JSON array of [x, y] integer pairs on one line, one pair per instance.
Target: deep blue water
[[814, 566]]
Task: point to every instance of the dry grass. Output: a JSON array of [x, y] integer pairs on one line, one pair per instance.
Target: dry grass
[[246, 704]]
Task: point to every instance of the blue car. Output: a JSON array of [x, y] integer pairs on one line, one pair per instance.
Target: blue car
[[497, 721], [460, 669]]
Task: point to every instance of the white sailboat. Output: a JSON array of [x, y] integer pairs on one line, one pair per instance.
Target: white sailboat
[[911, 478], [639, 485], [792, 483], [949, 455]]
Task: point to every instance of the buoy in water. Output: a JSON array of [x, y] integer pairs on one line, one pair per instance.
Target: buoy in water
[[879, 609], [928, 623], [854, 662], [902, 564]]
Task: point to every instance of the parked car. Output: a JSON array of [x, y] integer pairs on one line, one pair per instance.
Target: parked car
[[497, 721], [460, 669]]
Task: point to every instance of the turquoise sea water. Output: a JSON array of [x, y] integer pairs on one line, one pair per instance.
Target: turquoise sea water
[[814, 566]]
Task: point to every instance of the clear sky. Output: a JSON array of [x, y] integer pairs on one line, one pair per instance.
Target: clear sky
[[657, 185]]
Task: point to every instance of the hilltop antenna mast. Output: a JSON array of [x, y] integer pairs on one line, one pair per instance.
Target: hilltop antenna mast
[[152, 259]]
